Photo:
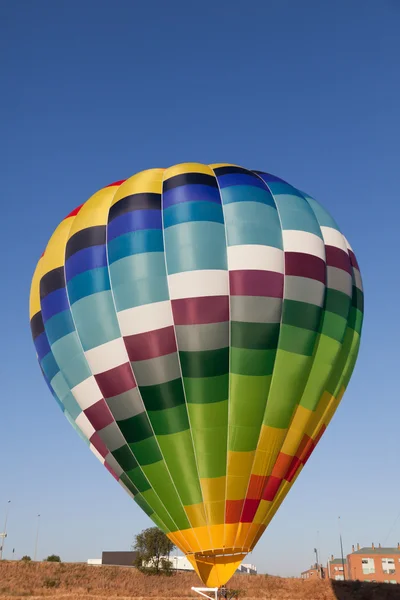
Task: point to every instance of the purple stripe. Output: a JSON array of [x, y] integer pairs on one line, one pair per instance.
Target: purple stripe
[[256, 283], [305, 265], [86, 259], [353, 260], [134, 221], [240, 179], [99, 444], [196, 311], [194, 192], [54, 303]]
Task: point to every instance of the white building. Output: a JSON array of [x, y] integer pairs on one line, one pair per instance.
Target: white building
[[182, 563]]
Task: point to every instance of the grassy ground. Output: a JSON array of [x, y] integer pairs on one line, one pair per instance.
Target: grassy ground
[[80, 582]]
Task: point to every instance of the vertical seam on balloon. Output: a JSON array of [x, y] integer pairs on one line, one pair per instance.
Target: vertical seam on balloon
[[85, 359], [180, 366], [280, 325], [137, 387], [229, 358]]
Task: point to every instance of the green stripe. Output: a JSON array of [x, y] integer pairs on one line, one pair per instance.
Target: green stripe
[[205, 363], [207, 389], [333, 326], [163, 395], [125, 458], [296, 340], [138, 479], [209, 429], [337, 302], [301, 314], [247, 400], [358, 298], [170, 420], [147, 451], [258, 336], [136, 429], [252, 362]]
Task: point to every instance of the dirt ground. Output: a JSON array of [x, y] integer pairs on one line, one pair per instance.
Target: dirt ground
[[81, 582]]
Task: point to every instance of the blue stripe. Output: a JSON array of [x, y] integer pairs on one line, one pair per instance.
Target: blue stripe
[[241, 179], [86, 259], [54, 303], [59, 325], [42, 345], [87, 283], [134, 221], [135, 242], [283, 188], [247, 193], [193, 211], [190, 193], [49, 366], [268, 178]]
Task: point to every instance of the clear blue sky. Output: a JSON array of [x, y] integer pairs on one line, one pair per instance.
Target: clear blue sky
[[93, 91]]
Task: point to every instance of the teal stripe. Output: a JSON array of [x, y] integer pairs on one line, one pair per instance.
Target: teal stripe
[[88, 283], [295, 213], [72, 406], [252, 223], [95, 320], [246, 193], [189, 212], [59, 326], [135, 242], [195, 246], [323, 217], [136, 293]]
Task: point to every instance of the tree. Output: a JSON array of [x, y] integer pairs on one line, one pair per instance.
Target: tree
[[26, 558], [53, 558], [153, 548]]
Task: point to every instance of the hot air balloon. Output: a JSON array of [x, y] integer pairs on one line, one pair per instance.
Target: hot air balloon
[[198, 326]]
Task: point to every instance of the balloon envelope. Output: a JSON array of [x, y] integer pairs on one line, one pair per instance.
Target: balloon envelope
[[198, 326]]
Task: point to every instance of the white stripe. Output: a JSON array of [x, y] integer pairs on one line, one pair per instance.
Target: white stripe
[[357, 277], [97, 454], [303, 241], [195, 284], [255, 257], [148, 317], [85, 425], [107, 356], [333, 237], [348, 245], [87, 393]]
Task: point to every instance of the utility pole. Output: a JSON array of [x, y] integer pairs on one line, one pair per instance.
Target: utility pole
[[37, 537], [4, 534], [341, 549]]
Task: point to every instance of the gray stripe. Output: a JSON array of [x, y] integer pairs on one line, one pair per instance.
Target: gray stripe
[[209, 336], [110, 460], [126, 489], [126, 405], [157, 370], [340, 280], [112, 437], [256, 309], [304, 289]]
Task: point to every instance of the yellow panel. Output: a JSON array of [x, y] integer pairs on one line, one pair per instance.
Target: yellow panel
[[262, 511], [191, 539], [216, 571], [187, 168], [239, 462], [95, 211], [179, 541], [218, 165], [230, 533], [213, 488], [215, 512], [217, 535], [237, 487], [297, 430], [242, 534], [203, 536], [149, 181], [271, 439], [34, 298], [196, 515], [55, 251]]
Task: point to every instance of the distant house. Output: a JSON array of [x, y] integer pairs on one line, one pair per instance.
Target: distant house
[[314, 572], [374, 563], [337, 569]]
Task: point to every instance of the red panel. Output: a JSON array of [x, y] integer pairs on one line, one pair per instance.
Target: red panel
[[99, 415], [272, 487], [151, 344], [116, 183], [296, 463], [256, 486], [249, 510], [116, 381], [233, 510], [74, 212], [192, 311]]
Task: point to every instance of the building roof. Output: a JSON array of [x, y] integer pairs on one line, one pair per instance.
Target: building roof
[[338, 561], [370, 550]]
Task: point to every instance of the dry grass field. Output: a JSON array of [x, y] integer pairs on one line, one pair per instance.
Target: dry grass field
[[38, 581]]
